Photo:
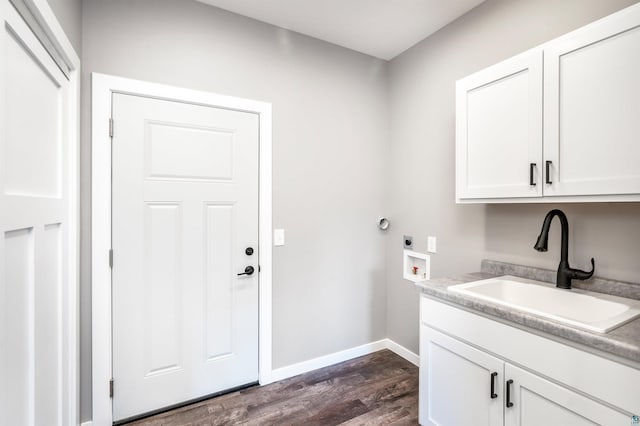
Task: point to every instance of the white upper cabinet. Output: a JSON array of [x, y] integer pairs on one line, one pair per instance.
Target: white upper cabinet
[[592, 108], [499, 130], [587, 148]]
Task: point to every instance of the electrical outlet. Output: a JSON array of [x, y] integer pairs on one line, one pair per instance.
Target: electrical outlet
[[431, 244]]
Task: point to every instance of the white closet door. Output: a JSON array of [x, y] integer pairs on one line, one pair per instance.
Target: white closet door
[[185, 211], [592, 108], [34, 285], [499, 130]]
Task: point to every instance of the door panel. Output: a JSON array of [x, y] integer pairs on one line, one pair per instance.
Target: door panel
[[592, 104], [162, 292], [499, 130], [219, 225], [32, 152], [185, 206], [34, 285], [48, 323], [18, 279], [455, 382], [204, 153], [537, 401]]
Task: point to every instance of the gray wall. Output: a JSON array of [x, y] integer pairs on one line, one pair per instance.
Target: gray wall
[[421, 198], [69, 14], [329, 155]]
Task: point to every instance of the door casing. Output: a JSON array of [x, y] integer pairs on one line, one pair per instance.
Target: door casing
[[103, 86]]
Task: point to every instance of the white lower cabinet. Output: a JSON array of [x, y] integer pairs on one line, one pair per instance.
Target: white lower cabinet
[[537, 401], [456, 383], [462, 384]]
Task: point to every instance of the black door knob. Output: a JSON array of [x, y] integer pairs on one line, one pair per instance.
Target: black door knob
[[248, 251], [248, 271]]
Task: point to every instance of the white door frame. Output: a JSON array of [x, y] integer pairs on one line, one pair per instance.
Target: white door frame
[[45, 26], [102, 89]]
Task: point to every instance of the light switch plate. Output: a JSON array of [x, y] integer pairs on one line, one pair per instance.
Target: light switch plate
[[431, 244], [278, 237]]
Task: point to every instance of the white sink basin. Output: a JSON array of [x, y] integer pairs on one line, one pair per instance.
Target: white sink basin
[[583, 309]]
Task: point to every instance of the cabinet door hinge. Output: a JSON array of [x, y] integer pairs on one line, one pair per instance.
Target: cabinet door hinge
[[110, 258], [111, 127], [111, 388]]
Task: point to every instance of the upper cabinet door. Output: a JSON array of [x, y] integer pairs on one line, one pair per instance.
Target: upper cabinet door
[[592, 108], [499, 130]]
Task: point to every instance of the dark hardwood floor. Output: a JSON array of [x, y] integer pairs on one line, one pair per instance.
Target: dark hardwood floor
[[376, 389]]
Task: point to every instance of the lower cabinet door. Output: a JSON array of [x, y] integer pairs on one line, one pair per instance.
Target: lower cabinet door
[[456, 382], [537, 401]]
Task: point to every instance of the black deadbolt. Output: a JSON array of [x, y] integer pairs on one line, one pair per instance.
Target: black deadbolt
[[248, 251]]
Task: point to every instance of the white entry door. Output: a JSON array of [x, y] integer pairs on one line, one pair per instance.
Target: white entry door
[[185, 225], [35, 291]]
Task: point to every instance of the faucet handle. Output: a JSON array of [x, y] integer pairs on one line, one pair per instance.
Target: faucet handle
[[577, 274]]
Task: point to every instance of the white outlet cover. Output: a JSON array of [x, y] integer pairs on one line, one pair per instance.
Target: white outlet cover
[[278, 237], [431, 244]]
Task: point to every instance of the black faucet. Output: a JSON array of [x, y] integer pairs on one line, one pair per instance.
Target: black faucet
[[565, 272]]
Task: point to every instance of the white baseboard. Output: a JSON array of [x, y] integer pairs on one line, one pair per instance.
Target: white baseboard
[[337, 357], [89, 423], [325, 361], [403, 352]]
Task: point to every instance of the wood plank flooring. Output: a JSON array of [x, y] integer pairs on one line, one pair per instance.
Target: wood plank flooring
[[376, 389]]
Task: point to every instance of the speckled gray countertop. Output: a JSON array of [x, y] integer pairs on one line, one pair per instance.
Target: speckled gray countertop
[[623, 341]]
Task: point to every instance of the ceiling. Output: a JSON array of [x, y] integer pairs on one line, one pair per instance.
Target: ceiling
[[380, 28]]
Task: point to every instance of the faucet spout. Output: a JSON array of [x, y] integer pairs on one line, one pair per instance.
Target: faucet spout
[[565, 272]]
